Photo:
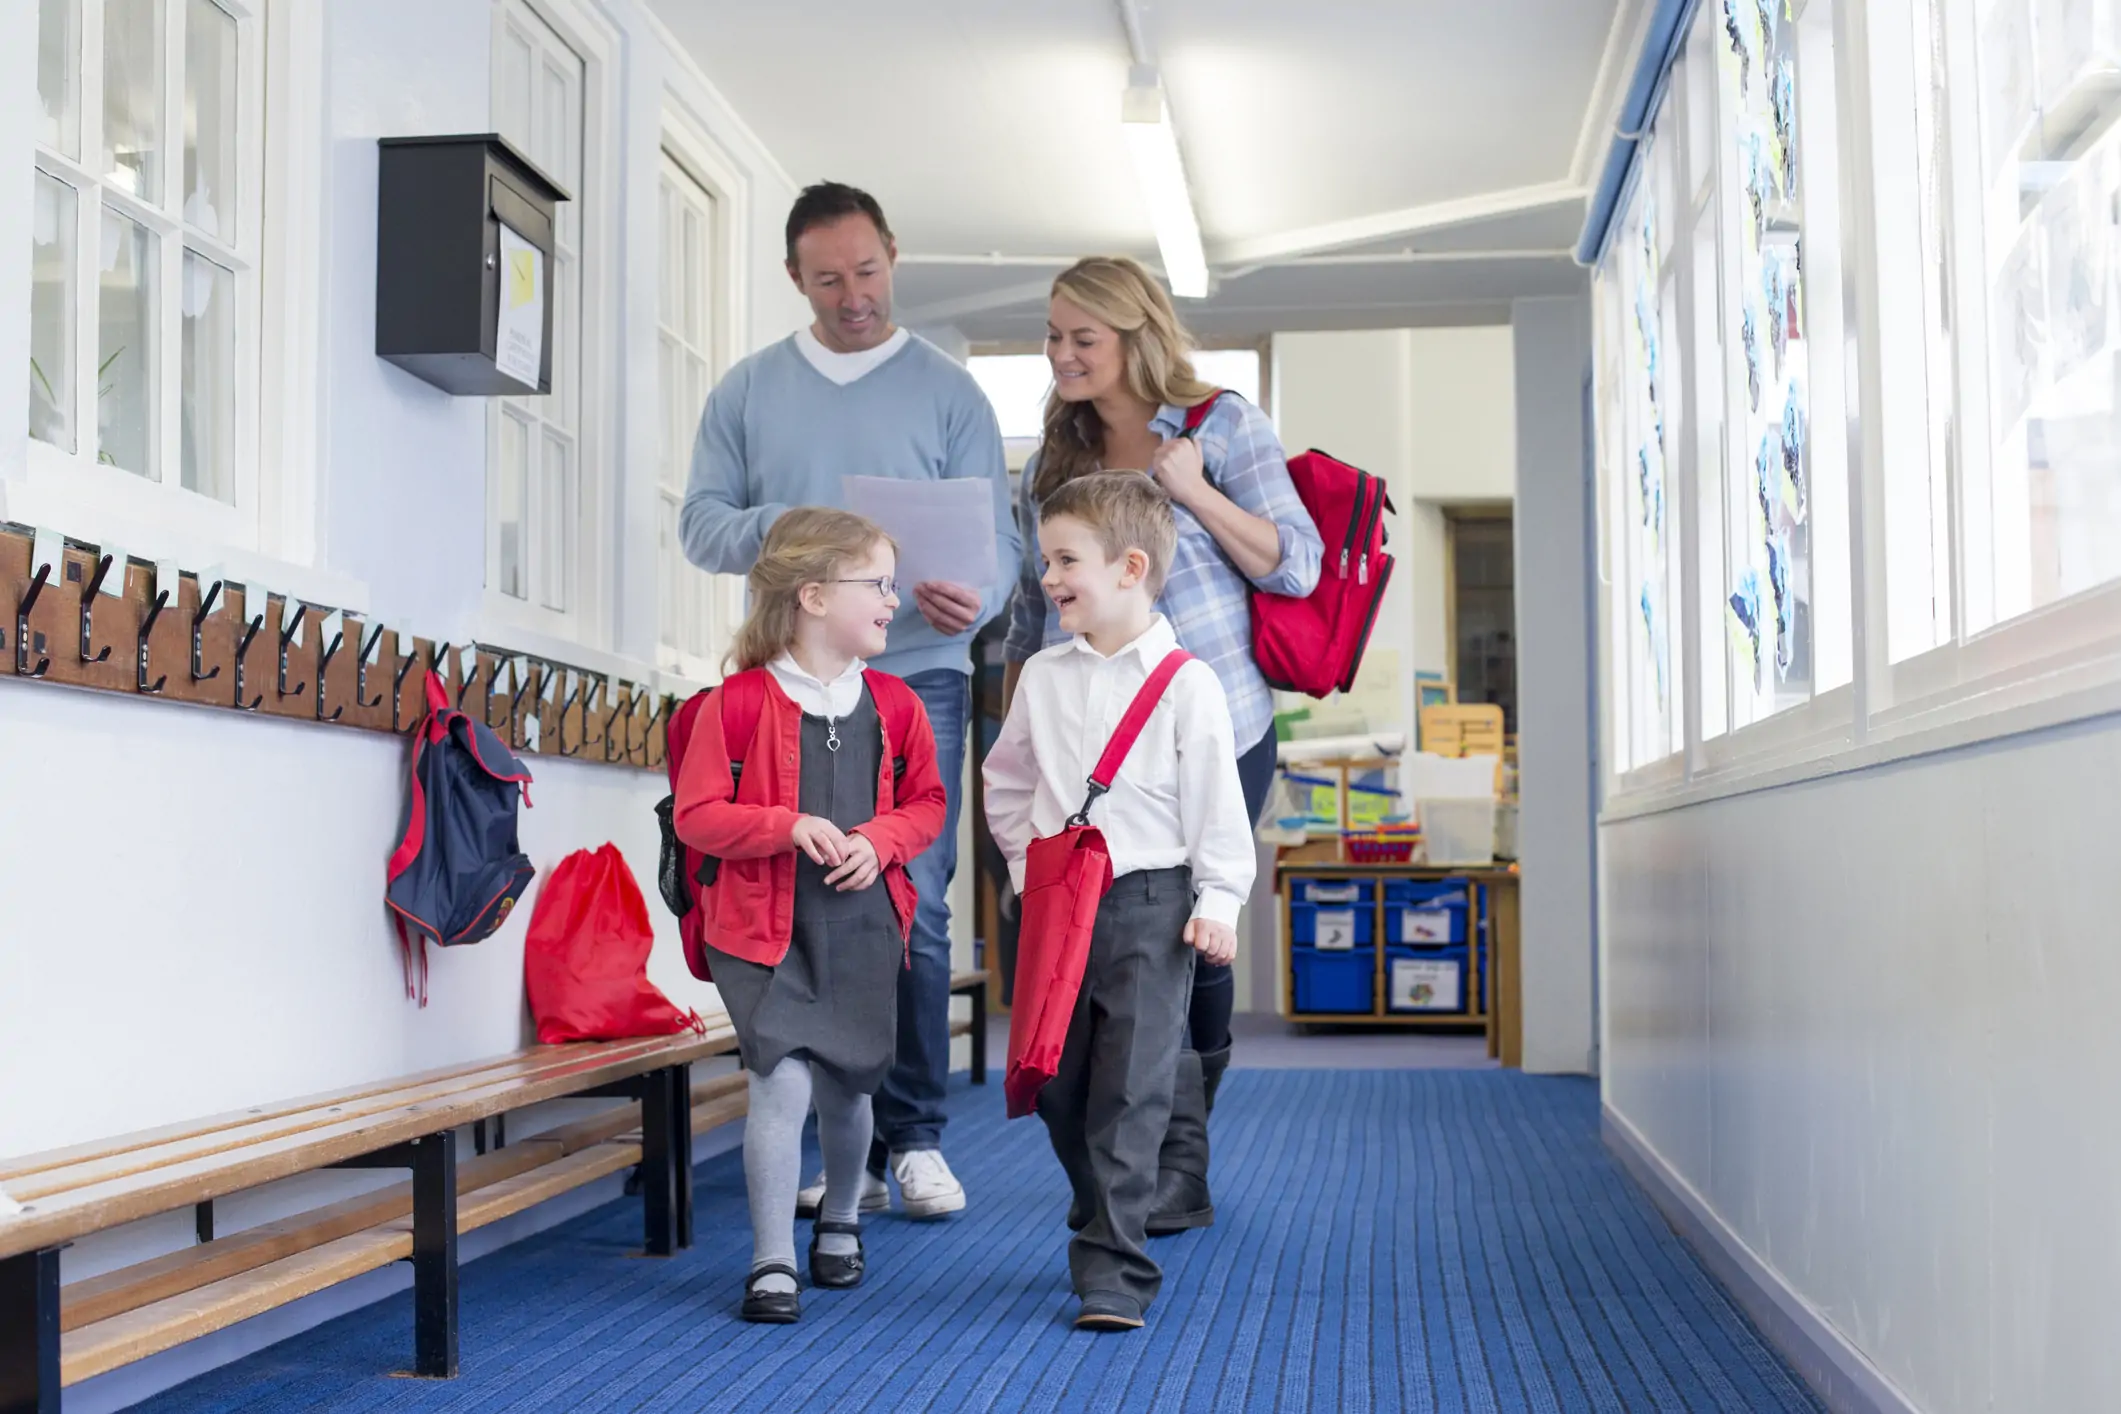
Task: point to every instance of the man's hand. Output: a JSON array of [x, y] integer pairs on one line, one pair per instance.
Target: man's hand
[[1215, 942], [1179, 468], [859, 866], [821, 840], [951, 608]]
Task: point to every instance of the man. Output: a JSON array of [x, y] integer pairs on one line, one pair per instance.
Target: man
[[852, 395]]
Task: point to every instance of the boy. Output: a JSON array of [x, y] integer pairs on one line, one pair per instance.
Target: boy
[[1182, 860]]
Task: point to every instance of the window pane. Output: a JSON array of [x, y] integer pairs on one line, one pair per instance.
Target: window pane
[[511, 88], [210, 78], [1235, 369], [1017, 385], [696, 273], [124, 362], [667, 287], [2048, 522], [59, 75], [132, 96], [555, 519], [51, 314], [1646, 534], [1769, 587], [209, 421], [511, 491], [671, 389], [564, 400]]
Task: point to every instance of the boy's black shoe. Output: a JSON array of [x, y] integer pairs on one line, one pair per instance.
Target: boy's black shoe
[[772, 1308], [1109, 1311], [836, 1270]]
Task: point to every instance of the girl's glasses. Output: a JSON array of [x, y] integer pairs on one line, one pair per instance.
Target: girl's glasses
[[885, 587]]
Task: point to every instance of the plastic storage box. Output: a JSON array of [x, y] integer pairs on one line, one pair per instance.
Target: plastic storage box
[[1422, 914], [1330, 927], [1427, 979], [1459, 832], [1334, 982]]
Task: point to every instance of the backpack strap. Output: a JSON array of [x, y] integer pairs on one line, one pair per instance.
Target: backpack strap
[[743, 697], [895, 703], [1130, 728], [1198, 413]]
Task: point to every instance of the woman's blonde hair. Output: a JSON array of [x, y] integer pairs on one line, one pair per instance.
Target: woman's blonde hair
[[1116, 291], [808, 545]]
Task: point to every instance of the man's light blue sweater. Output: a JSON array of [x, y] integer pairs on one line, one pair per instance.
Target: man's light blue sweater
[[778, 433]]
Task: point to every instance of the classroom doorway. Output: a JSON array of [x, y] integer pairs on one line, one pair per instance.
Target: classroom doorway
[[1480, 607]]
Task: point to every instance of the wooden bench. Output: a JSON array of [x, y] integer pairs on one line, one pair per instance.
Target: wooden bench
[[51, 1337]]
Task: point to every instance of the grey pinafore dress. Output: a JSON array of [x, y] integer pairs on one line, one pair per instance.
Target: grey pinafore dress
[[834, 998]]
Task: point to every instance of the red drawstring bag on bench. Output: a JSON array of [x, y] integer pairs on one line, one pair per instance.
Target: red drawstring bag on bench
[[1065, 877], [586, 962]]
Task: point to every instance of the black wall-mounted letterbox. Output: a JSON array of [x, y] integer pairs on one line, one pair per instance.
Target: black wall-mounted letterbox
[[464, 268]]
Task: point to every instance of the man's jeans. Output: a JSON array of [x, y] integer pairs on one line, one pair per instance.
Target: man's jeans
[[909, 1106]]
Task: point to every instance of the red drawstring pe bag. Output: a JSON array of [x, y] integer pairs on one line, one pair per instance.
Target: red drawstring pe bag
[[1065, 877], [586, 962]]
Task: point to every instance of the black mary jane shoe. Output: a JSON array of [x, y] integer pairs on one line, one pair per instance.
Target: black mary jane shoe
[[836, 1270], [772, 1308]]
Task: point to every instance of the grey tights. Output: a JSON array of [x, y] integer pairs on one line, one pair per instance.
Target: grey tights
[[773, 1158]]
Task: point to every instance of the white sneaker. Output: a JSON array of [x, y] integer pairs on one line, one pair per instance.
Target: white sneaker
[[926, 1187], [876, 1195]]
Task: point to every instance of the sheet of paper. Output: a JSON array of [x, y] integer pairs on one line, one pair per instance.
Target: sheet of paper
[[530, 733], [169, 579], [468, 663], [48, 548], [519, 342], [334, 627], [292, 618], [208, 578], [944, 529], [114, 580]]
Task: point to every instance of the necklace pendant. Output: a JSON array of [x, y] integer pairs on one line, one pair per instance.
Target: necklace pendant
[[832, 734]]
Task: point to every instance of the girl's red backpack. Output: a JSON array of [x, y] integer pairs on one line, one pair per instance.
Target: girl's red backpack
[[586, 962]]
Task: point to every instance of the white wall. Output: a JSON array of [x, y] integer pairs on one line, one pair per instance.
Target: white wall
[[1870, 1021], [1554, 686], [193, 901]]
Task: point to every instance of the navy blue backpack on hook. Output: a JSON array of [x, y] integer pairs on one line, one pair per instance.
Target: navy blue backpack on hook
[[458, 870]]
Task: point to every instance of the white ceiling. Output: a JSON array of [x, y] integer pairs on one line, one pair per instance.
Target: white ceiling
[[1350, 127]]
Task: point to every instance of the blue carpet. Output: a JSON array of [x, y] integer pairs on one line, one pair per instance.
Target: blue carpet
[[1389, 1240]]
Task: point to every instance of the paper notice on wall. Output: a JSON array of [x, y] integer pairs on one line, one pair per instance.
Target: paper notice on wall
[[1376, 691], [519, 341]]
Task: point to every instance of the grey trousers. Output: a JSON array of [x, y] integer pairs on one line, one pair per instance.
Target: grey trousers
[[1109, 1102]]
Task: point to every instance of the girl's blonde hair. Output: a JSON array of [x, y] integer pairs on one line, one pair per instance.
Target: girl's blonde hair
[[807, 545], [1116, 291]]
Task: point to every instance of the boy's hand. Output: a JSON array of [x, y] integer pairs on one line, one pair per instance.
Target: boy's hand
[[1215, 942], [860, 865], [820, 839]]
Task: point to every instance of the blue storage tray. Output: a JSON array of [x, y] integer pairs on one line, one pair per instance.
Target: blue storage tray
[[1408, 893], [1303, 923], [1334, 983], [1426, 915], [1331, 892], [1429, 980]]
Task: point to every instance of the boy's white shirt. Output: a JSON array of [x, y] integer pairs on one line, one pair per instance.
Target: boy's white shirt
[[814, 695], [1176, 800]]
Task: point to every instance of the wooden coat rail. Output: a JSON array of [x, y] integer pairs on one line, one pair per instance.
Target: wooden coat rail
[[211, 647]]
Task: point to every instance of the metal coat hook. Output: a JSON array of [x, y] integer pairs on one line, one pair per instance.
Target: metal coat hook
[[469, 678], [22, 634], [612, 720], [397, 691], [368, 651], [287, 642], [147, 630], [493, 680], [88, 612], [254, 622], [198, 630], [325, 653], [515, 704], [648, 731], [567, 705]]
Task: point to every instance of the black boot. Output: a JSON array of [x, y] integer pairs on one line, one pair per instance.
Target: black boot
[[1182, 1197], [1212, 1066]]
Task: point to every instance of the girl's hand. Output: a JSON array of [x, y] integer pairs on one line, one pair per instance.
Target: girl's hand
[[861, 865], [1215, 942], [1179, 468], [820, 839]]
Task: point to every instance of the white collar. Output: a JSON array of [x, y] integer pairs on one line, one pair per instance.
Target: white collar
[[845, 368], [1151, 644], [788, 667]]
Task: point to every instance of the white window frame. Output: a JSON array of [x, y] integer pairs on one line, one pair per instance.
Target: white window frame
[[686, 144], [588, 621], [2054, 665], [270, 529]]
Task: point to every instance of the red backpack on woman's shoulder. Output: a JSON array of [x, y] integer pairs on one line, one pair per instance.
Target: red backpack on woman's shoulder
[[1314, 645]]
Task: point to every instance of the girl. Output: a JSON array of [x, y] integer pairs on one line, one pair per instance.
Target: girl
[[810, 783]]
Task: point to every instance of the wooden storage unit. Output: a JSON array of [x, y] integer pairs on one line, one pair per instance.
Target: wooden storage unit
[[1489, 992]]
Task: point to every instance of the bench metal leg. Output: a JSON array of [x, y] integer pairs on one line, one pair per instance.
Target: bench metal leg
[[29, 1333], [681, 1149], [658, 1176], [979, 1034], [434, 1255]]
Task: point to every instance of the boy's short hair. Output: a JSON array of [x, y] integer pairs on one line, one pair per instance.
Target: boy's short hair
[[1127, 511]]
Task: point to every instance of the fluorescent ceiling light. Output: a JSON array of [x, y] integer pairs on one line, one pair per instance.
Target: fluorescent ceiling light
[[1146, 120]]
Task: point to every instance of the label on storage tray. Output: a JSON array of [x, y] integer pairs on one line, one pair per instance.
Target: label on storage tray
[[1425, 925], [1334, 929], [1421, 985]]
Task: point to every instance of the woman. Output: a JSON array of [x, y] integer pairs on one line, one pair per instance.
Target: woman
[[1122, 385]]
